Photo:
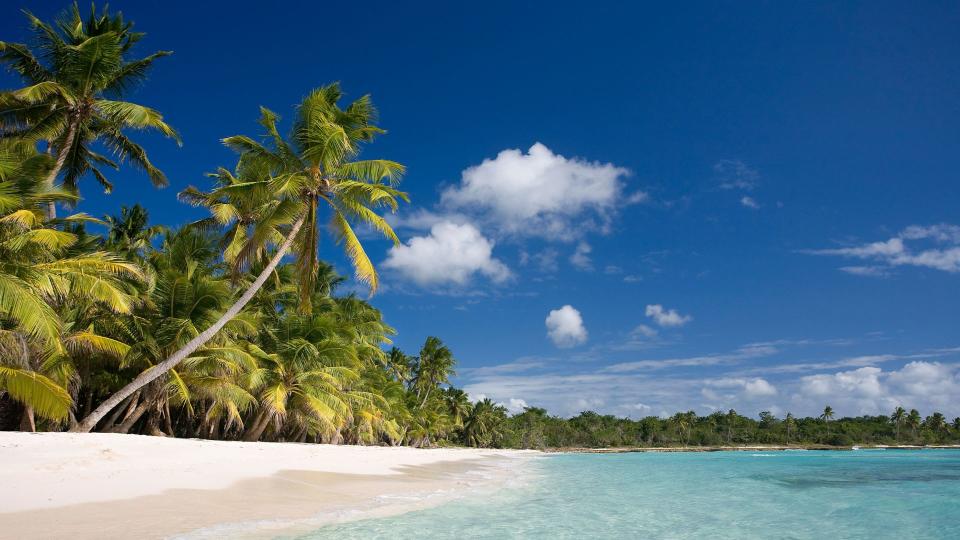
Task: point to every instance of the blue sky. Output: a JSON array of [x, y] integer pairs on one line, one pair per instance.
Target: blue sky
[[749, 204]]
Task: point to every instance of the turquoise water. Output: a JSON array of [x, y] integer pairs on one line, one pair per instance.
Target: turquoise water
[[860, 494]]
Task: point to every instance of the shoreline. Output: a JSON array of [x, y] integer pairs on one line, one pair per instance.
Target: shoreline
[[747, 448], [122, 486]]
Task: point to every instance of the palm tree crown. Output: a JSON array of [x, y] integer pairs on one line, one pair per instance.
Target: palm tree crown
[[75, 83]]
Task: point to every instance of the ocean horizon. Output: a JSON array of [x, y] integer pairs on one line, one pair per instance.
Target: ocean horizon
[[740, 494]]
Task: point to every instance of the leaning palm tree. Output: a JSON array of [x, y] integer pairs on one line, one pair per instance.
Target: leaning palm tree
[[316, 167], [898, 417], [73, 95]]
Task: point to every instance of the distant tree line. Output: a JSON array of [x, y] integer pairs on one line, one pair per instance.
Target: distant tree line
[[534, 428]]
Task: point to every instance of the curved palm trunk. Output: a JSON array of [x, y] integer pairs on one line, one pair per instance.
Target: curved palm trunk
[[155, 372], [58, 166]]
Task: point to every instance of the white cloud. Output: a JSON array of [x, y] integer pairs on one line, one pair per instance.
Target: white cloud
[[939, 250], [515, 405], [645, 331], [743, 353], [749, 202], [450, 255], [666, 317], [871, 271], [540, 193], [759, 388], [926, 386], [735, 174], [565, 327], [581, 256]]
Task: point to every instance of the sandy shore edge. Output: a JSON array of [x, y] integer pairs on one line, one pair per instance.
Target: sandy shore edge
[[124, 486]]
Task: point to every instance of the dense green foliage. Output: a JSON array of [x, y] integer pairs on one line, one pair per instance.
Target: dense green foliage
[[534, 428], [104, 321]]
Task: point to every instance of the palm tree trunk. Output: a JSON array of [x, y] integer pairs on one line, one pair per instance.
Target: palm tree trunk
[[27, 422], [155, 372], [58, 166], [256, 430]]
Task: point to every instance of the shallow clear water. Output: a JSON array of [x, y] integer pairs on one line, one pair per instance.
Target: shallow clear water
[[860, 494]]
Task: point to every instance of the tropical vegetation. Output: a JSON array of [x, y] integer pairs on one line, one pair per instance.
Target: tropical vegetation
[[232, 327]]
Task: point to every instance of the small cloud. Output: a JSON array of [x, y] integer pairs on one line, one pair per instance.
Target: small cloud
[[735, 174], [632, 279], [645, 331], [935, 246], [545, 260], [565, 327], [666, 317], [515, 405], [872, 271], [749, 202], [581, 257], [612, 269]]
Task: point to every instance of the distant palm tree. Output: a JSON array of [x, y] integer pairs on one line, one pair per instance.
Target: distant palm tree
[[827, 414], [459, 405], [914, 422], [398, 364], [791, 424], [484, 426], [129, 233], [434, 367], [936, 422], [898, 417], [66, 102], [956, 423], [731, 423]]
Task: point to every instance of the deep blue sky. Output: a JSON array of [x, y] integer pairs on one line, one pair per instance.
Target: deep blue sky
[[841, 118]]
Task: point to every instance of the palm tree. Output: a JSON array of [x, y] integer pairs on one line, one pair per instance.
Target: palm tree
[[898, 417], [827, 414], [129, 233], [731, 423], [791, 424], [484, 426], [307, 376], [434, 367], [458, 403], [914, 422], [316, 167], [66, 101], [398, 364], [936, 423], [956, 423], [44, 271]]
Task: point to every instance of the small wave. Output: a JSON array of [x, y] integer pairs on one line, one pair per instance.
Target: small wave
[[763, 455]]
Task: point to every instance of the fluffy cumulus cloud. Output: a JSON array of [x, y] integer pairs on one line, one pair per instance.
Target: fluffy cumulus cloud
[[927, 386], [565, 327], [451, 254], [540, 193], [935, 246], [666, 317]]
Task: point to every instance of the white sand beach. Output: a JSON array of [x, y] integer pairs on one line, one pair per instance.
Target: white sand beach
[[122, 486]]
